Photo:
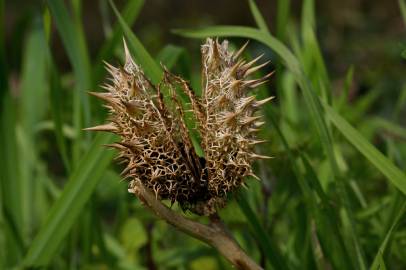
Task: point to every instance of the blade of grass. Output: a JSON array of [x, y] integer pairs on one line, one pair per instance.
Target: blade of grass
[[315, 69], [402, 6], [129, 14], [382, 163], [169, 55], [313, 63], [3, 62], [259, 19], [343, 98], [75, 46], [282, 17], [10, 182], [32, 110], [56, 111], [378, 262], [71, 202], [141, 56], [389, 127], [325, 216], [269, 248], [74, 42]]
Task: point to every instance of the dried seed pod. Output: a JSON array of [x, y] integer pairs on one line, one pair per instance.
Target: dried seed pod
[[155, 141]]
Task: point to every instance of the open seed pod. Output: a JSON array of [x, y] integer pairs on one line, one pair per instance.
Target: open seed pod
[[155, 142]]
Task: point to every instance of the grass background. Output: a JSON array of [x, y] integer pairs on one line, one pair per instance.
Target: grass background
[[332, 198]]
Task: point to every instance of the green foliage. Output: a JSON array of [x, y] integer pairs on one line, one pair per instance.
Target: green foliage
[[333, 196]]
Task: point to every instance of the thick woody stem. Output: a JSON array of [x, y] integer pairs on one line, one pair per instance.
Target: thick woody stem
[[215, 234]]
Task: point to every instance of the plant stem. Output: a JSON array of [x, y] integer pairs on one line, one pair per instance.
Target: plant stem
[[215, 234]]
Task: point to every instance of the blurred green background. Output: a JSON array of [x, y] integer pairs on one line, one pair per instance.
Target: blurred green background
[[332, 198]]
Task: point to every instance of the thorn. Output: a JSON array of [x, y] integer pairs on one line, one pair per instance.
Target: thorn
[[108, 97], [259, 124], [267, 76], [128, 145], [129, 62], [257, 82], [249, 119], [250, 63], [107, 127], [228, 117], [262, 102], [239, 52], [233, 70], [256, 156], [113, 70], [216, 53], [248, 83], [107, 87], [126, 170], [251, 130], [254, 176], [255, 85], [221, 99], [234, 86], [244, 102], [254, 69], [115, 146], [131, 106], [255, 142]]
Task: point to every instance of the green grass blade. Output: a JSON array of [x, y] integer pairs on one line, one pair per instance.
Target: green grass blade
[[313, 63], [324, 215], [259, 19], [402, 6], [56, 111], [10, 183], [378, 263], [71, 202], [271, 251], [282, 18], [169, 55], [3, 65], [33, 80], [129, 14], [32, 110], [382, 163], [74, 42], [140, 54], [389, 127]]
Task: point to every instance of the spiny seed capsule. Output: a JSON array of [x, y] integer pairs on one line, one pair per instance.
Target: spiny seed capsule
[[156, 144]]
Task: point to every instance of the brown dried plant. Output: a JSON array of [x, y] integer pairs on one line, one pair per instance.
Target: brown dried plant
[[155, 142]]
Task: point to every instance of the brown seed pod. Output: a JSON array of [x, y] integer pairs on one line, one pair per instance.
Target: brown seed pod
[[155, 141]]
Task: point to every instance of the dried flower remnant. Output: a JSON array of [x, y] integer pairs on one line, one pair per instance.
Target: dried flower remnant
[[155, 142]]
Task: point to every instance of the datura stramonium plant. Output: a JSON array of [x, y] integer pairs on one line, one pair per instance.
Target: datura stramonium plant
[[156, 145]]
